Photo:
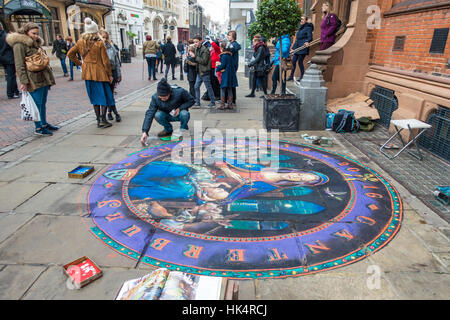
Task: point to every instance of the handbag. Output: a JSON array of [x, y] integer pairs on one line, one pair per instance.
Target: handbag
[[29, 110], [37, 62]]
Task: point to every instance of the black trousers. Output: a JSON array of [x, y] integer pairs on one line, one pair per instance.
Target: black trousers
[[276, 78], [192, 88], [262, 82], [298, 58], [11, 83]]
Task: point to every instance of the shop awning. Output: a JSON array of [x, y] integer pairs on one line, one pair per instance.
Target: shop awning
[[25, 7]]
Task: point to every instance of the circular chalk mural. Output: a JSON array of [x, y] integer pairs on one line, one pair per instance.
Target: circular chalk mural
[[254, 211]]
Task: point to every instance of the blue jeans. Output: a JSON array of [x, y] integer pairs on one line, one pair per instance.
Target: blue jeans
[[207, 80], [151, 64], [165, 119], [40, 98], [71, 65], [63, 65]]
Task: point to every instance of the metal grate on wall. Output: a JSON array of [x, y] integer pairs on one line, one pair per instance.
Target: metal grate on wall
[[386, 103], [439, 40], [437, 138]]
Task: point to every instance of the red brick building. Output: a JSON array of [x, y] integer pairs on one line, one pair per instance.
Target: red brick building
[[397, 51]]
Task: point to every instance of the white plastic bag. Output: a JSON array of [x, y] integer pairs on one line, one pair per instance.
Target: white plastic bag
[[30, 111]]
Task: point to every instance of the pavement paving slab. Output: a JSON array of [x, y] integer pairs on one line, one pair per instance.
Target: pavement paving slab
[[49, 239], [15, 280]]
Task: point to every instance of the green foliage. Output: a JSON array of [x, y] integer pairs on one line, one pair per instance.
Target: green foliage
[[275, 18], [131, 34], [255, 28]]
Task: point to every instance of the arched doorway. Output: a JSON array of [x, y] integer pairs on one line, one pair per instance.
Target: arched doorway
[[157, 26]]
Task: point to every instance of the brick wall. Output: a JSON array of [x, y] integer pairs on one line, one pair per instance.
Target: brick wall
[[418, 28]]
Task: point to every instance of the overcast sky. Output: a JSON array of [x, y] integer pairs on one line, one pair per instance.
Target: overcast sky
[[217, 9]]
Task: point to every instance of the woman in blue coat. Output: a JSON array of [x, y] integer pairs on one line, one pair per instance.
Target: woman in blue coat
[[303, 37], [229, 79], [285, 46]]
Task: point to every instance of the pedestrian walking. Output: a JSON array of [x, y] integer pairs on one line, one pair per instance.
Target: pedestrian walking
[[180, 49], [149, 50], [96, 70], [235, 48], [167, 105], [190, 67], [202, 57], [228, 79], [114, 62], [70, 44], [303, 37], [7, 60], [285, 46], [258, 64], [328, 27], [60, 48], [169, 53], [26, 43]]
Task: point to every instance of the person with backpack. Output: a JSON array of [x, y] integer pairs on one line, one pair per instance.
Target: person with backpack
[[285, 44], [114, 61], [95, 70], [149, 50], [180, 49], [303, 37], [329, 26]]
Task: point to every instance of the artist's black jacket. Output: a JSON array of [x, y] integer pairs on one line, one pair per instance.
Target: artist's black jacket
[[180, 98]]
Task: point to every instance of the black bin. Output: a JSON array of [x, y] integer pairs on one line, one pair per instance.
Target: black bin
[[125, 56]]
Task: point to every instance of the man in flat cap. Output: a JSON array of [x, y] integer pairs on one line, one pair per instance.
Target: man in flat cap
[[169, 104]]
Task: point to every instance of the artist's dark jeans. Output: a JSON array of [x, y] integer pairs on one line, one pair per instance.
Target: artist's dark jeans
[[165, 119], [298, 58], [11, 83]]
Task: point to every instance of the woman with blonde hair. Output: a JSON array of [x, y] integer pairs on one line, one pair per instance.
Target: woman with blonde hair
[[25, 43], [328, 27], [96, 70]]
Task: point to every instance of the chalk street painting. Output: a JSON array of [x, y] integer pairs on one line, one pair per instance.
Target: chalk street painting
[[315, 211]]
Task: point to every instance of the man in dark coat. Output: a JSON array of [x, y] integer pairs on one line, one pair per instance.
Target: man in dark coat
[[302, 37], [7, 60], [60, 48], [170, 59], [168, 105]]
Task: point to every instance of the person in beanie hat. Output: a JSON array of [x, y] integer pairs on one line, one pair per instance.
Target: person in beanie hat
[[168, 104], [96, 70]]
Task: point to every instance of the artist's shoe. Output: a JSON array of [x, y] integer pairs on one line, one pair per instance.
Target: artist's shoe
[[164, 134], [110, 117], [48, 126], [42, 132]]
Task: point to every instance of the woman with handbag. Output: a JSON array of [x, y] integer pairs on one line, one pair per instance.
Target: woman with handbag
[[33, 70], [95, 70], [303, 37], [258, 64]]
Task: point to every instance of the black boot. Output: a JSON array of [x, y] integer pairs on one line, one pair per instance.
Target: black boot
[[97, 115], [103, 122], [114, 109]]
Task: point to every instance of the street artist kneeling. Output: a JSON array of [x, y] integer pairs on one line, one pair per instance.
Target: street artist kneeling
[[169, 104]]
